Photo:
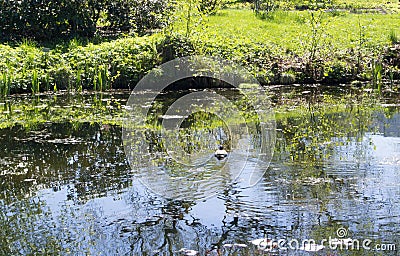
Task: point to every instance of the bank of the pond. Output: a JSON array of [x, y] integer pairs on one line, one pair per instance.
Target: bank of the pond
[[281, 49]]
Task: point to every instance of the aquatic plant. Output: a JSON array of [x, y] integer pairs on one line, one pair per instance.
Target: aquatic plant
[[35, 82], [376, 69], [5, 84], [79, 80]]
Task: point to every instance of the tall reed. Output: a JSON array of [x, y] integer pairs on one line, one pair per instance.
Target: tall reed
[[377, 69], [5, 84], [79, 80], [35, 82]]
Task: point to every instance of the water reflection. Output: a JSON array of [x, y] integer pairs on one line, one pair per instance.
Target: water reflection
[[171, 146], [67, 189]]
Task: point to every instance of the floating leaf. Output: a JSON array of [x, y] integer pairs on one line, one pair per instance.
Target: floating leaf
[[188, 252]]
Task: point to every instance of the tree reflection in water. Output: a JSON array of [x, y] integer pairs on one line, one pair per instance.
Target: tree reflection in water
[[68, 189]]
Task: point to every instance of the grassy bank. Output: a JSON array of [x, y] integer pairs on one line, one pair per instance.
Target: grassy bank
[[283, 47], [304, 46], [119, 63]]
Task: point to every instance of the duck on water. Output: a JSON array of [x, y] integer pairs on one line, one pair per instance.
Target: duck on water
[[220, 153]]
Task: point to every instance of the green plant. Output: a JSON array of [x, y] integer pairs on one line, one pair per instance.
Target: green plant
[[35, 88], [60, 18], [209, 6], [63, 19], [377, 75], [141, 16], [316, 34], [336, 71], [393, 38], [263, 7], [79, 80], [5, 84], [189, 18], [150, 15], [361, 42], [103, 78], [314, 44]]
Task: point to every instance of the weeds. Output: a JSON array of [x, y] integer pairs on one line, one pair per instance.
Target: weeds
[[360, 46], [377, 75], [314, 43], [5, 84], [316, 34], [79, 80], [393, 38], [102, 78], [35, 88], [100, 67]]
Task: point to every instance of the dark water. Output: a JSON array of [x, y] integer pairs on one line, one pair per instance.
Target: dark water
[[68, 189]]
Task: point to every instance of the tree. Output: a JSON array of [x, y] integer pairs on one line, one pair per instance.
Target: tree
[[148, 15], [209, 6], [264, 6], [45, 20]]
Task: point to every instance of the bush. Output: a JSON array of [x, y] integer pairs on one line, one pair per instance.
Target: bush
[[176, 46], [209, 6], [264, 6], [43, 20], [149, 15], [337, 71], [139, 16]]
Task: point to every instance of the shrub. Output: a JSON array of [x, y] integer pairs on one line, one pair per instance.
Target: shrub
[[209, 6], [336, 71], [46, 20], [149, 15]]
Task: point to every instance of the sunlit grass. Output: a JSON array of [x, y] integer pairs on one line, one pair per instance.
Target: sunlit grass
[[288, 31], [367, 3]]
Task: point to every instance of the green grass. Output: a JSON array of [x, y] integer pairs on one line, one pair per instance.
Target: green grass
[[289, 31], [340, 48], [387, 4]]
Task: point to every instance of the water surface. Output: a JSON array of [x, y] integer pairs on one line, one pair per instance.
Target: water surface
[[67, 187]]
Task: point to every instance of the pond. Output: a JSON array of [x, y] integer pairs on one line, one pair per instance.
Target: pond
[[68, 188]]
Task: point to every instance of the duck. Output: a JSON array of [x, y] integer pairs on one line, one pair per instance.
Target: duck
[[220, 153]]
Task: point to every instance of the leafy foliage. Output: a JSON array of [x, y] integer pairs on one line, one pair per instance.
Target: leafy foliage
[[120, 63], [141, 17], [117, 64], [209, 6], [150, 14], [46, 20]]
